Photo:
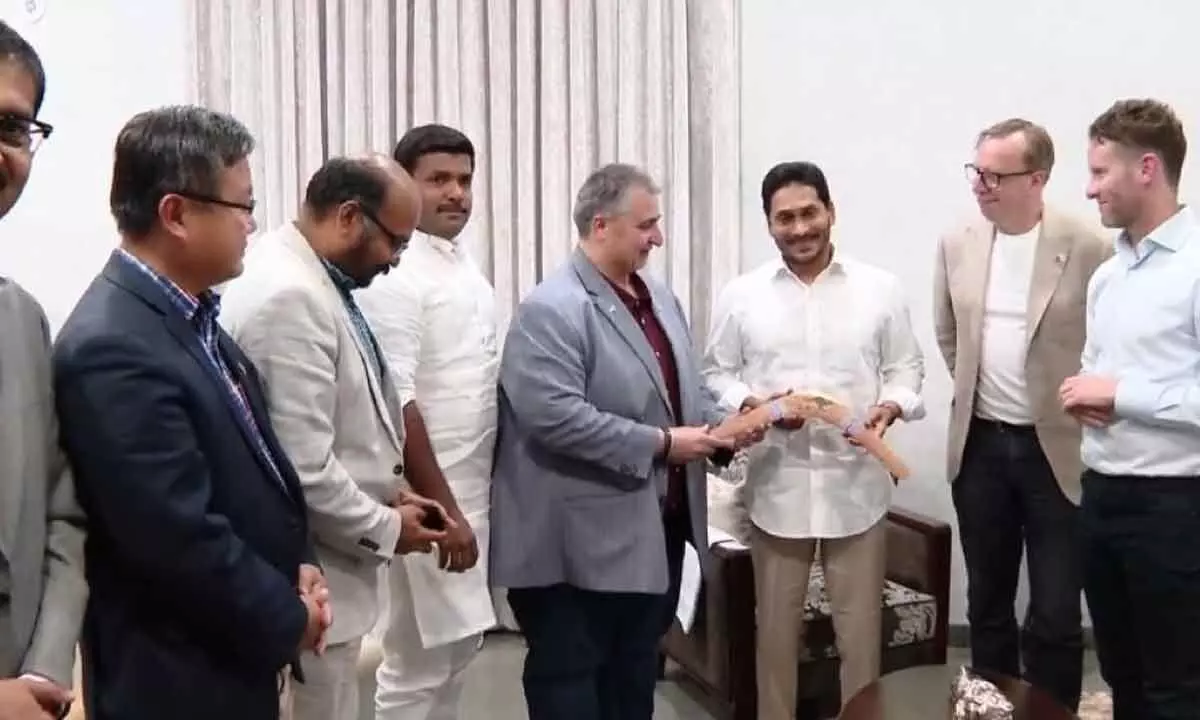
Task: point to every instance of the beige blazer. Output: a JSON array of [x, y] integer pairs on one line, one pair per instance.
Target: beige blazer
[[42, 528], [338, 421], [1068, 252]]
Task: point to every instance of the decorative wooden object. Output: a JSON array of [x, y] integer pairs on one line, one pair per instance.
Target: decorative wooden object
[[815, 406]]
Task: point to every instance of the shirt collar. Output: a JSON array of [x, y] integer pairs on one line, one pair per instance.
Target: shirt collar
[[1171, 235], [203, 308], [447, 248], [343, 282], [837, 265]]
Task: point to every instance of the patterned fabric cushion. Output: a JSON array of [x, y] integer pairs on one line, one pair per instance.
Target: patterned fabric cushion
[[909, 617]]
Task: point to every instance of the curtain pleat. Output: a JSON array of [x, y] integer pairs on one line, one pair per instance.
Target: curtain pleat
[[546, 89]]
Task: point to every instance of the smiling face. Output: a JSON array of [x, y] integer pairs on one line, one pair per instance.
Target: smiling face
[[18, 95], [802, 226], [630, 235], [1118, 181]]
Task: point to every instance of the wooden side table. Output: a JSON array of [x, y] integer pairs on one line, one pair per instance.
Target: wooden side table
[[923, 693]]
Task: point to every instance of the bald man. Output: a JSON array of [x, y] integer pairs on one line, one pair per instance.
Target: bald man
[[331, 401]]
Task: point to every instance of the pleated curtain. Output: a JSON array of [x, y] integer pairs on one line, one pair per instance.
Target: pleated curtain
[[548, 90]]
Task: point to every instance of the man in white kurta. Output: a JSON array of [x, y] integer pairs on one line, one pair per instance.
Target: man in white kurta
[[435, 321], [814, 320]]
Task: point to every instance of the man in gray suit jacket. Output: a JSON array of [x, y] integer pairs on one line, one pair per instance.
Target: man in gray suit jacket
[[599, 474], [42, 589]]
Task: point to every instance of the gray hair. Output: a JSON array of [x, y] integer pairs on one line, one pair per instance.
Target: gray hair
[[606, 191]]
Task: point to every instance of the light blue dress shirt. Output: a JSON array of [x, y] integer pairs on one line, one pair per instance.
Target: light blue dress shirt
[[1143, 328]]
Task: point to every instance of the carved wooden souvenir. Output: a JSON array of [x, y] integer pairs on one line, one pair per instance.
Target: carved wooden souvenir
[[815, 406]]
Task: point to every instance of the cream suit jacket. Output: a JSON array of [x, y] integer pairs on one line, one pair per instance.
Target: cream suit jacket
[[337, 420], [1068, 252]]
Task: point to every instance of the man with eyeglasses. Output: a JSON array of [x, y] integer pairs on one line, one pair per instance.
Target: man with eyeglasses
[[42, 588], [1009, 295], [332, 400], [204, 586]]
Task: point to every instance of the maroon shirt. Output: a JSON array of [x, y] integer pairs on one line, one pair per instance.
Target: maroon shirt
[[642, 309]]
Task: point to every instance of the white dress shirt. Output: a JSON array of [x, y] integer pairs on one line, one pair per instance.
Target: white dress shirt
[[434, 316], [848, 335], [1001, 393], [1143, 328]]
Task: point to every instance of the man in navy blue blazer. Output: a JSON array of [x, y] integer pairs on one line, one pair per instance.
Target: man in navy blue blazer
[[204, 590]]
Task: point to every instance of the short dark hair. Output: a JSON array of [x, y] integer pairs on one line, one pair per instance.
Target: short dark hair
[[342, 180], [794, 173], [175, 149], [14, 48], [428, 139], [1147, 126]]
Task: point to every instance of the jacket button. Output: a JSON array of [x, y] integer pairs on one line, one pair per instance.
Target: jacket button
[[397, 469]]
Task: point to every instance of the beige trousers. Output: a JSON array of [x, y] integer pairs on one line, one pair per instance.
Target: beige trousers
[[854, 575]]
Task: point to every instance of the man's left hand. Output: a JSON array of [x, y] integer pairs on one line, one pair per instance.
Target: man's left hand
[[1096, 392], [460, 550]]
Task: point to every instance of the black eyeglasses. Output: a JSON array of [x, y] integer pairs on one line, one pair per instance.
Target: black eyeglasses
[[213, 200], [23, 133], [397, 242], [989, 179]]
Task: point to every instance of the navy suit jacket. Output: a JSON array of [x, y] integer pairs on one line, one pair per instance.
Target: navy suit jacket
[[194, 545]]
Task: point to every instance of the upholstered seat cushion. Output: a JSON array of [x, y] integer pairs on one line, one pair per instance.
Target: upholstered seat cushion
[[909, 617]]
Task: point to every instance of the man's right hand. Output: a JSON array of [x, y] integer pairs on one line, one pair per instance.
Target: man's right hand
[[30, 700], [315, 604], [415, 537], [693, 443]]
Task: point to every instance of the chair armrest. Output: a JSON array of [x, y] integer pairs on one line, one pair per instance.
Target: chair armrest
[[918, 556]]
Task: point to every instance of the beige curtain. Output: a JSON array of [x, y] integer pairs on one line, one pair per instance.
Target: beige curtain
[[547, 90]]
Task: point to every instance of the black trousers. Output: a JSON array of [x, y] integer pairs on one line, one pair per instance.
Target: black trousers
[[1142, 579], [595, 655], [1008, 501]]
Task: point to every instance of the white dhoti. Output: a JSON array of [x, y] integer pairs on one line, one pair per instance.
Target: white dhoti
[[435, 628]]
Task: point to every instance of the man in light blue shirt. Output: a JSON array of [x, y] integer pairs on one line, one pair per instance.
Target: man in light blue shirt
[[1138, 397]]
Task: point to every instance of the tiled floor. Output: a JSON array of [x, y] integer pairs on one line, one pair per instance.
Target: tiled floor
[[494, 686]]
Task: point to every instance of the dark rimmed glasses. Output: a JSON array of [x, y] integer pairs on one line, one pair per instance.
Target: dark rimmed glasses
[[21, 132], [988, 178]]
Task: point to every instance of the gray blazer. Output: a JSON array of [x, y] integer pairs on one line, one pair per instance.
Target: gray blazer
[[576, 489], [41, 525]]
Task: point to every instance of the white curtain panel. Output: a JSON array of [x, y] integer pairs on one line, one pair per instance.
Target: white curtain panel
[[548, 90]]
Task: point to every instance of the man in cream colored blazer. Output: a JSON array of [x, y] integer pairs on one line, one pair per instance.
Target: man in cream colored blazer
[[1009, 303], [331, 401]]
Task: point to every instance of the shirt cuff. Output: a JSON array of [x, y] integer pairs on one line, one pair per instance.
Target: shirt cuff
[[1136, 399], [735, 395], [911, 405]]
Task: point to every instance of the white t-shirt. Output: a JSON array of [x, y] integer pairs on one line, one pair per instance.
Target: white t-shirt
[[1001, 392]]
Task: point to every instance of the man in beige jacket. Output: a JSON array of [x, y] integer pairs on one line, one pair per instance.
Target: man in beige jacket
[[1009, 314]]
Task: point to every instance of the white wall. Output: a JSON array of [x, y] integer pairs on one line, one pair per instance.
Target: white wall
[[887, 98], [105, 61]]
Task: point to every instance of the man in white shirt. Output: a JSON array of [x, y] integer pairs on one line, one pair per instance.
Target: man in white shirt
[[436, 325], [1008, 305], [1138, 398], [815, 320]]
